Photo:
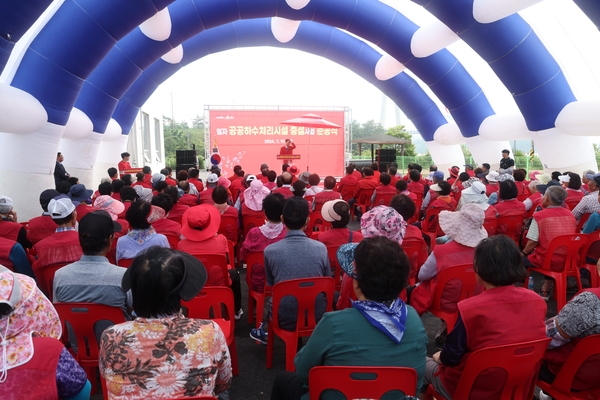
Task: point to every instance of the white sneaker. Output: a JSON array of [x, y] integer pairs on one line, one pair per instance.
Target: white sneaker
[[239, 314]]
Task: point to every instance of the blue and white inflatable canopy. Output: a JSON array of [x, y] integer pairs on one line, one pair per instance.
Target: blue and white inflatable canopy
[[76, 72]]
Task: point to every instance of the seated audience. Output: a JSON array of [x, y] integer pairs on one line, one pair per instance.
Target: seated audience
[[402, 188], [141, 235], [325, 195], [271, 177], [314, 189], [579, 318], [192, 179], [436, 177], [588, 205], [465, 230], [163, 225], [253, 198], [199, 231], [42, 226], [9, 225], [338, 213], [33, 363], [406, 208], [14, 257], [384, 188], [349, 180], [237, 184], [443, 199], [509, 206], [522, 188], [379, 329], [197, 361], [82, 198], [259, 237], [285, 189], [482, 320], [572, 183], [299, 188], [188, 198], [552, 221], [178, 208], [206, 194]]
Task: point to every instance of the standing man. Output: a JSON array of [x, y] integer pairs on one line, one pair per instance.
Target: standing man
[[506, 162], [287, 149], [124, 163], [60, 175]]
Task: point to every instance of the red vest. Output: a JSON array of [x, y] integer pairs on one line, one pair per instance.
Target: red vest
[[536, 200], [416, 188], [323, 197], [489, 189], [506, 208], [40, 228], [6, 246], [83, 209], [189, 200], [498, 316], [206, 196], [446, 255], [573, 198], [10, 230], [552, 222], [35, 379], [521, 188]]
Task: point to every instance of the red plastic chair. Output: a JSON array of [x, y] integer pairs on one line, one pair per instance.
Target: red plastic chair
[[572, 248], [256, 298], [593, 241], [125, 262], [335, 266], [46, 280], [361, 382], [173, 240], [520, 361], [217, 268], [210, 304], [430, 226], [383, 199], [230, 228], [363, 200], [306, 292], [317, 223], [468, 288], [511, 226], [416, 250], [82, 317], [560, 389], [582, 222], [250, 221]]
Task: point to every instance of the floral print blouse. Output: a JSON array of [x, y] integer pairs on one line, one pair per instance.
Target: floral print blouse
[[151, 358]]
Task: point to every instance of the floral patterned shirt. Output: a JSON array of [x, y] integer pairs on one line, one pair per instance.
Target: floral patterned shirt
[[164, 358]]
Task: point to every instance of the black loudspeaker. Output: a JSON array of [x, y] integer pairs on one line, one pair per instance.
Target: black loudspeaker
[[383, 166], [183, 157], [386, 155]]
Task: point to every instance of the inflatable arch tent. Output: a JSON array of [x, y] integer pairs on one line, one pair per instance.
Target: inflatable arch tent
[[76, 72]]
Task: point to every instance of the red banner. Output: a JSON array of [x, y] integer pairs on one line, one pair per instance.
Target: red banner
[[252, 137]]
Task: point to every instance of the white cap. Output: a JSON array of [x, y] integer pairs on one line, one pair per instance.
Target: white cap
[[564, 178], [60, 207], [6, 201]]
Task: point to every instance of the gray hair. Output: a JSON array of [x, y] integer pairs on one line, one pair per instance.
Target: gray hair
[[588, 171], [533, 186], [556, 195], [5, 209]]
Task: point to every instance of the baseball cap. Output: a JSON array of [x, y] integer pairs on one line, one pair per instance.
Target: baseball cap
[[98, 225], [345, 255], [564, 178], [48, 195], [60, 207], [157, 177], [6, 201], [296, 208], [333, 210], [212, 178], [438, 175]]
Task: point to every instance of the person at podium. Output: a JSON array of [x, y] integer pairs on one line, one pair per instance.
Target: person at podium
[[288, 149]]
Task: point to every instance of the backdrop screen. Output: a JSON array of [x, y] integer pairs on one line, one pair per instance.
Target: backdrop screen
[[252, 137]]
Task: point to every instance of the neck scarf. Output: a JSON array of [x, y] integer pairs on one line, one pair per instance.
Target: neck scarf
[[141, 235], [271, 230], [390, 320]]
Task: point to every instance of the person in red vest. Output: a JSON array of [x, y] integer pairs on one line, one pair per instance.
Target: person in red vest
[[178, 209], [9, 227], [264, 170], [406, 207], [168, 173], [187, 198], [326, 195], [488, 319], [237, 184], [454, 171], [357, 174], [402, 188], [338, 213], [579, 318], [194, 180], [285, 190], [348, 180], [414, 184], [206, 195], [236, 169], [384, 188], [166, 226], [508, 205], [465, 230], [14, 257], [552, 221], [375, 168], [147, 171], [572, 183], [34, 366], [43, 226], [367, 183]]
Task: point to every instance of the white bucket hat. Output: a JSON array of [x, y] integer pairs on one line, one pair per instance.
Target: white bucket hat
[[464, 226]]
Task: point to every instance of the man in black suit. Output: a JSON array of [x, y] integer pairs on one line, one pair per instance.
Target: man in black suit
[[60, 174]]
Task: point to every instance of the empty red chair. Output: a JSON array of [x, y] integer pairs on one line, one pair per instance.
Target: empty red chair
[[591, 252], [361, 382], [335, 266], [210, 304], [561, 387], [306, 292], [457, 283], [317, 223], [520, 363], [430, 225], [82, 317], [558, 268], [416, 250]]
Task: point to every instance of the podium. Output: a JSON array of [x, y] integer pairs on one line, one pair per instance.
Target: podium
[[130, 171], [288, 156]]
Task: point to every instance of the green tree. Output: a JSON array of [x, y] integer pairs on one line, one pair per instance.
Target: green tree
[[360, 131], [180, 136], [399, 132]]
